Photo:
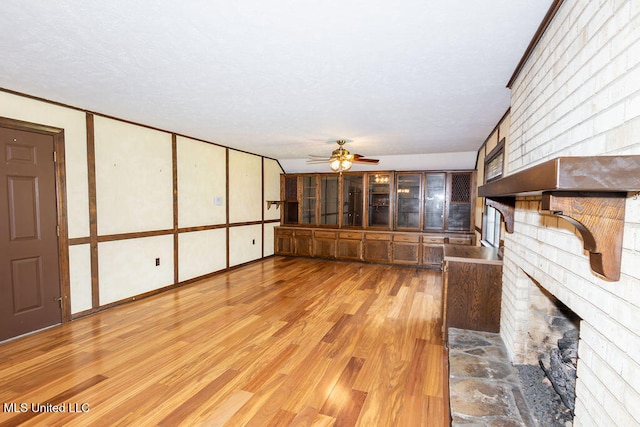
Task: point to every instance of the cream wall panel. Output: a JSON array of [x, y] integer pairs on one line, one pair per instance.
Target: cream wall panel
[[75, 141], [80, 277], [201, 252], [201, 183], [134, 182], [245, 187], [272, 173], [245, 244], [269, 237], [128, 268]]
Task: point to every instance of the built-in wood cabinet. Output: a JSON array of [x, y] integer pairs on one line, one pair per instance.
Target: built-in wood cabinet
[[422, 201], [472, 288], [377, 246], [382, 217]]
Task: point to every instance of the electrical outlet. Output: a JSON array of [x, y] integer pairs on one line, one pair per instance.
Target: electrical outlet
[[157, 262], [253, 242]]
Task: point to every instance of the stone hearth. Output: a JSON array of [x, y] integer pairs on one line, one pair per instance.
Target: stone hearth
[[484, 387]]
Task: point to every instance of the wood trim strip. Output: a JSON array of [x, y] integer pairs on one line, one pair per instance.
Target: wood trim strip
[[201, 228], [135, 235], [93, 211], [176, 248], [63, 224], [226, 153], [79, 241], [262, 205], [551, 13], [242, 224]]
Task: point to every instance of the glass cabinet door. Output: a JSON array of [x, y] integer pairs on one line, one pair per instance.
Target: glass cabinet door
[[329, 200], [351, 200], [379, 194], [309, 186], [434, 198], [408, 200]]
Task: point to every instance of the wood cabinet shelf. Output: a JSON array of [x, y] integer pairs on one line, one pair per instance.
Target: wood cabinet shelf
[[588, 192]]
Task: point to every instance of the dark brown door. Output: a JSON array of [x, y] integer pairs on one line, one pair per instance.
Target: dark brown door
[[29, 277]]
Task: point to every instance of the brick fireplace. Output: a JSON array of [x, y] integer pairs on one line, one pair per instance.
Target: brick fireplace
[[577, 95]]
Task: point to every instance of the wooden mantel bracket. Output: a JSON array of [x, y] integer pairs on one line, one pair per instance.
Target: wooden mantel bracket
[[599, 217], [507, 207]]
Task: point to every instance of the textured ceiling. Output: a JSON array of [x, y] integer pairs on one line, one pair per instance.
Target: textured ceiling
[[282, 78]]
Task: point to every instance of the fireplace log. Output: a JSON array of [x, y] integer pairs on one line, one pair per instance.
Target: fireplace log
[[561, 369]]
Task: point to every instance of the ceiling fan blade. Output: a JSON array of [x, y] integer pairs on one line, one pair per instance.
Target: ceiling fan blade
[[318, 156], [363, 160], [318, 161]]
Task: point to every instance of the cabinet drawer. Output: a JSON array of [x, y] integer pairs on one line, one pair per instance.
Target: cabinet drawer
[[325, 234], [377, 236], [350, 235], [409, 238], [460, 240], [284, 232], [433, 239], [306, 233]]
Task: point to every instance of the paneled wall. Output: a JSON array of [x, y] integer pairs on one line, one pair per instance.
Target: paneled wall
[[148, 209], [578, 95]]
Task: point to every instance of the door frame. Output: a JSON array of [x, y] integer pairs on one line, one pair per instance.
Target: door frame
[[61, 203]]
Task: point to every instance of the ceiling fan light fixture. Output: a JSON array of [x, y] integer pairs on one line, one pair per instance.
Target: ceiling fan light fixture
[[341, 159], [338, 164]]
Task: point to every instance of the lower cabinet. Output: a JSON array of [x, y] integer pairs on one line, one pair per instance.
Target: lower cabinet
[[284, 241], [472, 288], [350, 245], [385, 247], [432, 255], [324, 244], [377, 247], [405, 249], [302, 242]]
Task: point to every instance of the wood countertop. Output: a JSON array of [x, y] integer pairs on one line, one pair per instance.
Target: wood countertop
[[472, 254]]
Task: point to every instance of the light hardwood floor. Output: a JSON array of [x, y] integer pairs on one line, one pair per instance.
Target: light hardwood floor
[[283, 341]]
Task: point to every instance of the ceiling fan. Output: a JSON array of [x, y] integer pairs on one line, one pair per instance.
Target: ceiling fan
[[341, 159]]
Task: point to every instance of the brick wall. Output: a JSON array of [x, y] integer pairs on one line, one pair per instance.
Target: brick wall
[[579, 94]]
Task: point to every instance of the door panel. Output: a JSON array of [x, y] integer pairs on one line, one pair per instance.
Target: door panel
[[29, 273], [23, 209]]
